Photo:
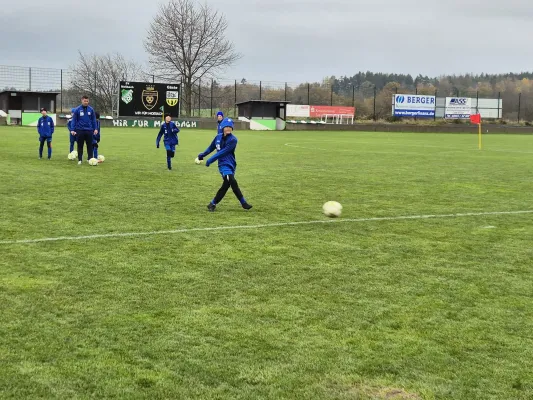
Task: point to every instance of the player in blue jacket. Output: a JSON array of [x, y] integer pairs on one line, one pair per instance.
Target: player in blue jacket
[[225, 145], [96, 138], [170, 132], [84, 127], [45, 128], [70, 128], [220, 118]]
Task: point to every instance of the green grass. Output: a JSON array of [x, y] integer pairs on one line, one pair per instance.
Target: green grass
[[391, 309]]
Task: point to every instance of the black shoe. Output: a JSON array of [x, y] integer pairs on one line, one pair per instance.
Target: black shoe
[[246, 206], [211, 207]]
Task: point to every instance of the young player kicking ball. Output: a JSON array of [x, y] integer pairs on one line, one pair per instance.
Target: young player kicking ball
[[225, 145]]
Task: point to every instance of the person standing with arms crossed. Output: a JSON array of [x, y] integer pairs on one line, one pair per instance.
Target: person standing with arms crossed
[[84, 127]]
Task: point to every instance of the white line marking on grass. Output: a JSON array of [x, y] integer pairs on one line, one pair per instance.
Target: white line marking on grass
[[260, 226]]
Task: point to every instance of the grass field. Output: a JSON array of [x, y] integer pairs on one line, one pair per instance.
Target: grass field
[[369, 306]]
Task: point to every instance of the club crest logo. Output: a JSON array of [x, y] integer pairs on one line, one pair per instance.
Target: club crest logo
[[149, 97], [126, 95], [172, 98]]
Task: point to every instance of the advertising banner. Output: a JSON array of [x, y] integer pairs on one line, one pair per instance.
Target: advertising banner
[[413, 105], [319, 111], [458, 108]]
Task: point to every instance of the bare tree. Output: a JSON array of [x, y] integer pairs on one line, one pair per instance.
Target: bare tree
[[187, 41], [99, 77]]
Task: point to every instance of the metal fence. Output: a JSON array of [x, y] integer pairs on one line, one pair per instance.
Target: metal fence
[[211, 95]]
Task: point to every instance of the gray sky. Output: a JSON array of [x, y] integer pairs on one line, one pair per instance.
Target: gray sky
[[291, 40]]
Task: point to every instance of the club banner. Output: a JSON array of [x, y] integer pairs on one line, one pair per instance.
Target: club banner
[[142, 99], [413, 105], [150, 123]]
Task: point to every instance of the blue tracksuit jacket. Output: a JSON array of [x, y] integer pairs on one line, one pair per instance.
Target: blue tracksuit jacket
[[225, 146], [45, 127], [70, 128], [84, 119], [96, 138], [170, 133]]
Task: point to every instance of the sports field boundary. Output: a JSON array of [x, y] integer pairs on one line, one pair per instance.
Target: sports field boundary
[[261, 226]]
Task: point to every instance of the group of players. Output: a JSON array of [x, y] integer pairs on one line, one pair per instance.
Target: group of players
[[46, 128], [84, 128]]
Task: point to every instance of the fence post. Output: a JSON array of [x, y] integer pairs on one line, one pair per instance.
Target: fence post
[[435, 113], [95, 88], [199, 98], [180, 99], [308, 94], [499, 116], [235, 102], [519, 101], [211, 97], [61, 103], [375, 92], [260, 89]]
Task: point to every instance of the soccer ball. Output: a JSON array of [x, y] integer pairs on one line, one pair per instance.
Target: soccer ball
[[197, 161], [101, 158], [332, 209], [75, 153], [71, 157], [93, 161]]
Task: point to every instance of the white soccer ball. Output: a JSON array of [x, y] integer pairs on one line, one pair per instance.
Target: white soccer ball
[[75, 153], [332, 209], [93, 161], [101, 158], [71, 156], [197, 161]]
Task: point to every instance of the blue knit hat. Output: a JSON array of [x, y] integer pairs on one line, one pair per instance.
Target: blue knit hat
[[220, 113], [227, 122]]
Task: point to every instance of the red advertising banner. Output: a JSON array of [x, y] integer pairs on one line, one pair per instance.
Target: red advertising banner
[[319, 111]]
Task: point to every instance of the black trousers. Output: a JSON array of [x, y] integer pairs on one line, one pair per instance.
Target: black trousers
[[228, 181], [87, 138]]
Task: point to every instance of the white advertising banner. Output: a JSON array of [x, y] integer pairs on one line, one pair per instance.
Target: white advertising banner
[[300, 111], [458, 108]]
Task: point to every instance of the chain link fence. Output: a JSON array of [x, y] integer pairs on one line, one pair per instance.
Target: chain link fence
[[210, 95]]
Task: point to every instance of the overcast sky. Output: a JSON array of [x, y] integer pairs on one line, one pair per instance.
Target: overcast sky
[[291, 40]]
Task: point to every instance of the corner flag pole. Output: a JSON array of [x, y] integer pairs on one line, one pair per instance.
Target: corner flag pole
[[479, 127], [476, 119]]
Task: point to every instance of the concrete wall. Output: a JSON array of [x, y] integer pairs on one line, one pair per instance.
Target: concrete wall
[[449, 128]]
